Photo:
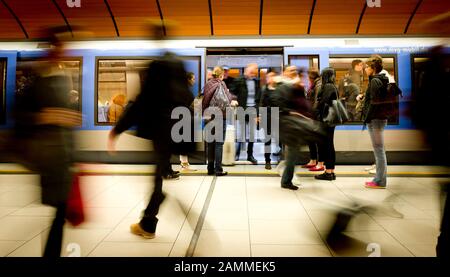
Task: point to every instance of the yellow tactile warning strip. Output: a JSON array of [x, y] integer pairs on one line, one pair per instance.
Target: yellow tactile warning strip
[[268, 173]]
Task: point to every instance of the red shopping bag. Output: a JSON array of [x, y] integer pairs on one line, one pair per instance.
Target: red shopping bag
[[75, 209]]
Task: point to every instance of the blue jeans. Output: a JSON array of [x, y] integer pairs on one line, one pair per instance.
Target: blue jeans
[[215, 151], [376, 131], [291, 160]]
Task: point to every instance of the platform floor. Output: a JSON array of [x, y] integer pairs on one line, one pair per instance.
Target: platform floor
[[246, 214]]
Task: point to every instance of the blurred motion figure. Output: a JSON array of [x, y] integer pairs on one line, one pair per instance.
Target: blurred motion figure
[[45, 116], [166, 87], [430, 113]]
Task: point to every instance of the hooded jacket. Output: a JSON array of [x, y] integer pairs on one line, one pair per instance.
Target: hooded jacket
[[375, 104]]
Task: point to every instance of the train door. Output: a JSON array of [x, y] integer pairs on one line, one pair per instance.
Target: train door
[[236, 59]]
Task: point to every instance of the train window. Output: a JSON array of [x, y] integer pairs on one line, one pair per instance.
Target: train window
[[350, 69], [304, 62], [118, 82], [120, 79], [27, 70], [3, 90], [418, 68]]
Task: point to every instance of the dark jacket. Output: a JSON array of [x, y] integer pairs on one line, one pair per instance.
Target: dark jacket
[[165, 88], [313, 92], [51, 146], [239, 88], [327, 94], [264, 100], [375, 103]]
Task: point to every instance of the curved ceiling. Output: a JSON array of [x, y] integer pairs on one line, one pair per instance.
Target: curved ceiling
[[24, 19]]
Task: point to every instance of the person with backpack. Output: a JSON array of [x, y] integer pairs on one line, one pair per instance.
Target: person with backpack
[[375, 109], [217, 96]]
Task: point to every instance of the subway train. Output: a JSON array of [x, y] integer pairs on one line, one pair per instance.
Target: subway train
[[105, 73]]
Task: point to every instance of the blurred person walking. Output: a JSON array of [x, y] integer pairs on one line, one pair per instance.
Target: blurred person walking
[[430, 114], [294, 103], [165, 89], [44, 122]]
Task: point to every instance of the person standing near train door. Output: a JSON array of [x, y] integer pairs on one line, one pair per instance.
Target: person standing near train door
[[375, 116], [184, 160], [248, 93], [165, 89]]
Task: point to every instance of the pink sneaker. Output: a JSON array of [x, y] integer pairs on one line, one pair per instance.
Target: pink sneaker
[[374, 185], [317, 168]]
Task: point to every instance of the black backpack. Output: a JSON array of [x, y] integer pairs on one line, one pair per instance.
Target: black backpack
[[393, 90], [390, 101]]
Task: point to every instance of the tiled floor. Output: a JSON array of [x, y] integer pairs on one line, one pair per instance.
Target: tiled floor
[[246, 216]]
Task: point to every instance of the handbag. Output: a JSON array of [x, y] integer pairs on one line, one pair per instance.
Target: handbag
[[297, 129], [75, 208], [337, 114], [220, 99]]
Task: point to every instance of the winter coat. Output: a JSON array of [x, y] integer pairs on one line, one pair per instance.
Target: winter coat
[[375, 104]]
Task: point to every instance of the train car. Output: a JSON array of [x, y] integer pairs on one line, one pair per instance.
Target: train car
[[103, 70]]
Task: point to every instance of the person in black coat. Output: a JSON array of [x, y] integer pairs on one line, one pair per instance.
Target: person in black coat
[[165, 88], [430, 114], [327, 155]]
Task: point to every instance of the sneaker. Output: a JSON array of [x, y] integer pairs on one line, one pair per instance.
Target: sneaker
[[309, 165], [374, 185], [137, 230], [373, 171], [372, 167], [252, 160], [317, 168], [268, 166], [186, 167], [326, 176], [289, 186]]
